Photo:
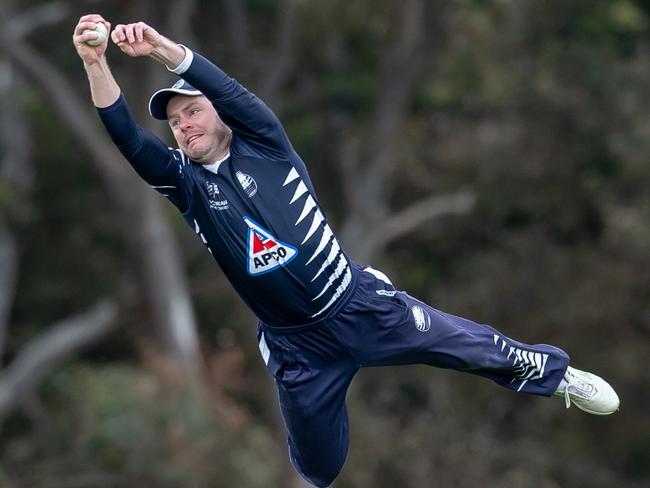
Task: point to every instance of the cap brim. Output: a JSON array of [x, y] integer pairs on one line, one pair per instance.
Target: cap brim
[[159, 100]]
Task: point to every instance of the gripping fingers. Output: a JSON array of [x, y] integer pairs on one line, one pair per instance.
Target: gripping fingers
[[121, 33], [88, 22], [118, 35], [139, 31], [128, 30], [130, 33], [91, 18]]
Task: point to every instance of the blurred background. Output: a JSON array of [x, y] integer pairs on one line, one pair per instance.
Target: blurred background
[[492, 157]]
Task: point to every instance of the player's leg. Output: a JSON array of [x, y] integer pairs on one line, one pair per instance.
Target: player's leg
[[403, 330], [448, 341], [312, 374]]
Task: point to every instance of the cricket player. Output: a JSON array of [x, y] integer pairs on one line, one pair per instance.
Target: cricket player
[[239, 183]]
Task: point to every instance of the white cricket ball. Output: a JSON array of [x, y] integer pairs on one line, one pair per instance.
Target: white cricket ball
[[100, 28]]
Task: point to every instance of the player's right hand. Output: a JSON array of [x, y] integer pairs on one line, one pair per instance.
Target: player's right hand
[[87, 52], [137, 39]]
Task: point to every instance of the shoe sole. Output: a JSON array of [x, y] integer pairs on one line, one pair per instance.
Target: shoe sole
[[592, 412]]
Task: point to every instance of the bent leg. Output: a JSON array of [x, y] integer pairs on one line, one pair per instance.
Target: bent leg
[[317, 436], [312, 378]]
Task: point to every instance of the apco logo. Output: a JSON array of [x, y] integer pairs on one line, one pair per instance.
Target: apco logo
[[421, 317], [265, 252]]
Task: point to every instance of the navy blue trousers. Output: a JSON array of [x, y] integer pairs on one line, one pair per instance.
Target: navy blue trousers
[[380, 326]]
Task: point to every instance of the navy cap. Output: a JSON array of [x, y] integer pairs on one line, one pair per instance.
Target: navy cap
[[160, 99]]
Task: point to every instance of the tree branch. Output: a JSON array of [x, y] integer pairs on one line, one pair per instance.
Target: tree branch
[[398, 75], [238, 29], [24, 24], [139, 215], [16, 182], [411, 217], [8, 274], [420, 26], [281, 62], [40, 355], [397, 78]]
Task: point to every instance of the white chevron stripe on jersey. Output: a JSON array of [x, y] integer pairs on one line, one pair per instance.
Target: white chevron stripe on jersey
[[341, 266], [310, 203], [329, 260], [339, 291], [327, 235], [318, 218], [293, 174], [300, 191]]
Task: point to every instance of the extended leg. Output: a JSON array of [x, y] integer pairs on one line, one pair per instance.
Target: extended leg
[[390, 327], [429, 336], [399, 329]]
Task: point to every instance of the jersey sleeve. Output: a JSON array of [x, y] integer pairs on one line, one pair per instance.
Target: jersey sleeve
[[240, 109], [156, 163]]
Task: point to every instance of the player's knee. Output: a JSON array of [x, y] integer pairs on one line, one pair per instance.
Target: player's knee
[[321, 480], [320, 474]]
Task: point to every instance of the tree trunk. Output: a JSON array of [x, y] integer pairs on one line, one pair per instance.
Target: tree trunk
[[154, 260]]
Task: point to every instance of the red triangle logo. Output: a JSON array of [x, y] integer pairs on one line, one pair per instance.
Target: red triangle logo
[[265, 251], [257, 244]]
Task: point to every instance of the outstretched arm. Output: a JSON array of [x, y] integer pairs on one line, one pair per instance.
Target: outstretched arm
[[104, 89], [149, 156], [238, 108]]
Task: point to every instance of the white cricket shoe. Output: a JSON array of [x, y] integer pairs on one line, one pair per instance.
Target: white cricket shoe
[[588, 392]]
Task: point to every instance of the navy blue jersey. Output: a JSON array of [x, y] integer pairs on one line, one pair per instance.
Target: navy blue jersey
[[256, 211]]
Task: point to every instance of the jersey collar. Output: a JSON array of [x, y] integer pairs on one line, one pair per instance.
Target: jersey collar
[[214, 167]]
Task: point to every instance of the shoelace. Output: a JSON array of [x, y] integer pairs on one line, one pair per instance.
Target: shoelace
[[579, 388]]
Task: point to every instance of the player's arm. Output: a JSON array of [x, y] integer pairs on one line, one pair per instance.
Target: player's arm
[[149, 156], [103, 87], [241, 110]]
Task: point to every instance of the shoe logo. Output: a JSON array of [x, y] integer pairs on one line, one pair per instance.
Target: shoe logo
[[216, 201], [247, 183], [421, 317], [265, 252]]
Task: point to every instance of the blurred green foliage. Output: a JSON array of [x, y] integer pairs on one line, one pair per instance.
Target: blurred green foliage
[[122, 426]]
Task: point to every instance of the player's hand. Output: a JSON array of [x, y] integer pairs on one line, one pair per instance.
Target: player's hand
[[87, 52], [138, 39]]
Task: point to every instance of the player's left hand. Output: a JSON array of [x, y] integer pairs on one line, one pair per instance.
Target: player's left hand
[[137, 39]]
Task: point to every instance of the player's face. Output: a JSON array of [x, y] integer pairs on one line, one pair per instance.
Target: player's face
[[199, 131]]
